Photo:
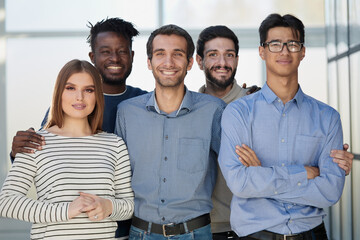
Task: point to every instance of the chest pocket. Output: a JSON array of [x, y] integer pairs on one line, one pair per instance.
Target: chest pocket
[[193, 154], [307, 149]]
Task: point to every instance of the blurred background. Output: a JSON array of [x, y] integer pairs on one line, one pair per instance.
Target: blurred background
[[37, 37]]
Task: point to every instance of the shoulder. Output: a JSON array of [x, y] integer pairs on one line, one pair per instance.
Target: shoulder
[[322, 108], [109, 138], [202, 98], [245, 100], [134, 102], [134, 91]]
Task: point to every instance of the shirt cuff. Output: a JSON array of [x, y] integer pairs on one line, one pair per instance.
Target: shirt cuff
[[298, 175]]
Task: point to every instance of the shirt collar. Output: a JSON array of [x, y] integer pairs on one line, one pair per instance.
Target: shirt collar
[[185, 106], [270, 96]]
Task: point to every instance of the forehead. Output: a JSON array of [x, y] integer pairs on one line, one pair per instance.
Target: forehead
[[111, 39], [169, 42], [80, 79], [219, 43], [281, 33]]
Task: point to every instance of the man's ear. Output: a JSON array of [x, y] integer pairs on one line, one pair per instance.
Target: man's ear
[[132, 56], [190, 64], [91, 56], [199, 62], [302, 53], [149, 64], [262, 52]]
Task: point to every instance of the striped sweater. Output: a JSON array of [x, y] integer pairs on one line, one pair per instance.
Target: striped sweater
[[97, 164]]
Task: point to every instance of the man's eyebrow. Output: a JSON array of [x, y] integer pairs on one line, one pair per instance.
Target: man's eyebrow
[[158, 50], [216, 50], [179, 50]]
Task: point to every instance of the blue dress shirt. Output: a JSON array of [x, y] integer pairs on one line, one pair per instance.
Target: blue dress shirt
[[285, 137], [173, 156]]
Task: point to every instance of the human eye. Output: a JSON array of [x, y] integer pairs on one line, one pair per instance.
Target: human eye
[[293, 44], [69, 88], [89, 90], [178, 54], [212, 54], [159, 54], [105, 52], [230, 55], [275, 44], [123, 52]]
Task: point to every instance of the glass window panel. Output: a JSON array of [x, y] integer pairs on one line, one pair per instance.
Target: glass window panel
[[344, 110], [69, 15], [355, 102], [344, 96], [355, 134], [140, 75], [341, 26], [333, 85], [354, 22], [312, 77], [31, 74], [335, 231], [330, 28], [238, 13]]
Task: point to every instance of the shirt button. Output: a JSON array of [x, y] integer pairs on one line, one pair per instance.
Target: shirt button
[[289, 207], [166, 137], [290, 221], [165, 158], [299, 184], [162, 200], [275, 192], [282, 140], [283, 114], [163, 218], [279, 100], [164, 179], [283, 164]]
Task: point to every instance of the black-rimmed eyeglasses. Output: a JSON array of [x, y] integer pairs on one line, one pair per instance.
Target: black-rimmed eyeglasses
[[277, 46]]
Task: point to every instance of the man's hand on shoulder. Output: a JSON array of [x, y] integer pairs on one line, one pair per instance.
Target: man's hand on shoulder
[[251, 89], [26, 142]]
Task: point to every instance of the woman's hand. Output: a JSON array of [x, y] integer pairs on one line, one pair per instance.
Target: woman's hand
[[76, 206], [99, 208]]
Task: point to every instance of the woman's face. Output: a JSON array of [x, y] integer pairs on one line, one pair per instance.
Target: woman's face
[[78, 98]]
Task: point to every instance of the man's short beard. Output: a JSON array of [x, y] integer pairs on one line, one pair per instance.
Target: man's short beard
[[116, 81], [216, 82]]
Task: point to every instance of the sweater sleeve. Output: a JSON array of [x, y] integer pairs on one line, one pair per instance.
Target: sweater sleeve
[[123, 204], [13, 200]]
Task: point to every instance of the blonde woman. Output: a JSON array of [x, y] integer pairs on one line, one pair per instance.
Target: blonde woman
[[82, 175]]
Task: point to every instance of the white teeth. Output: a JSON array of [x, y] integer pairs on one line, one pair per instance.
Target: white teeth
[[112, 67], [221, 71], [168, 73]]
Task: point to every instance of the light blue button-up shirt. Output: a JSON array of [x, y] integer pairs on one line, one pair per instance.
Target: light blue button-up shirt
[[173, 156], [277, 196]]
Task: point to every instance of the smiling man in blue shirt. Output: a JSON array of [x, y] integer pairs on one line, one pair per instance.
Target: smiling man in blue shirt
[[173, 139], [285, 176]]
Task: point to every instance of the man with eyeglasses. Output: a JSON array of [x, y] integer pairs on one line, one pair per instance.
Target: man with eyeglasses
[[285, 176]]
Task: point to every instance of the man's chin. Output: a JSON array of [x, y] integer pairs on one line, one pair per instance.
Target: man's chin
[[114, 81], [223, 83]]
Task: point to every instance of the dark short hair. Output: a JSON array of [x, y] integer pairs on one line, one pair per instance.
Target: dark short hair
[[212, 32], [276, 20], [170, 30], [116, 25]]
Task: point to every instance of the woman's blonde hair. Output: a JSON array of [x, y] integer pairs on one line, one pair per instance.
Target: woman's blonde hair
[[56, 116]]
